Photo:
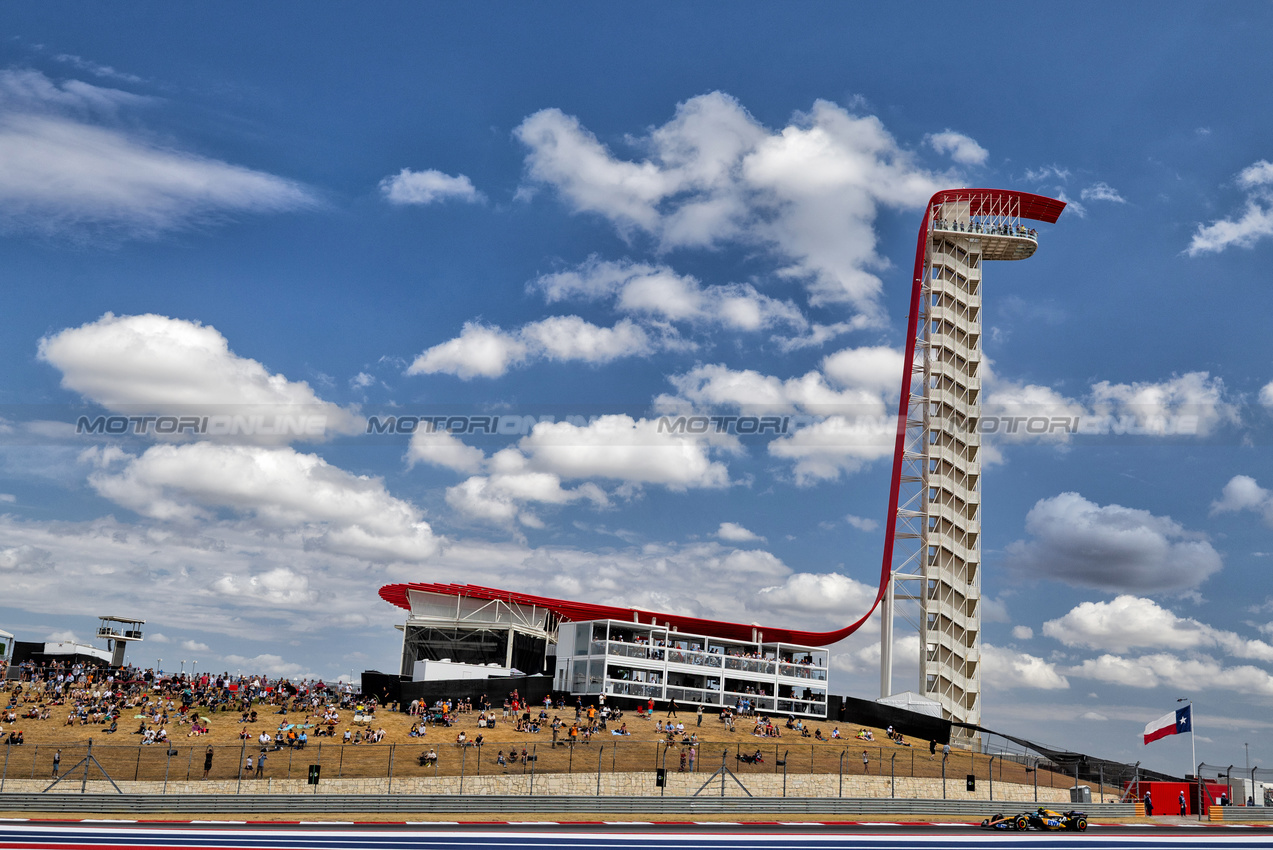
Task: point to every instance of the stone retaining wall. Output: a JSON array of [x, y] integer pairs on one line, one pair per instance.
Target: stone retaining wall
[[581, 784]]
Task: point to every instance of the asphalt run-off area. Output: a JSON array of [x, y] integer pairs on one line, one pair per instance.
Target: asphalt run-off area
[[89, 835]]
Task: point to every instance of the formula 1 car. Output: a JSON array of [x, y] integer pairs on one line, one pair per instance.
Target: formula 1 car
[[1048, 819], [1044, 819]]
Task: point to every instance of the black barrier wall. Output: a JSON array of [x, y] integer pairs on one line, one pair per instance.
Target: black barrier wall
[[912, 724], [389, 689]]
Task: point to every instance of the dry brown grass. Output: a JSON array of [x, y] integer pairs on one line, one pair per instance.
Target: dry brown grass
[[124, 758]]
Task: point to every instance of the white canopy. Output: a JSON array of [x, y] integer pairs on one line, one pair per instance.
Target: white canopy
[[912, 701]]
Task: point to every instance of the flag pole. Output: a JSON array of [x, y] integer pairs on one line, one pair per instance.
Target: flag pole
[[1193, 746]]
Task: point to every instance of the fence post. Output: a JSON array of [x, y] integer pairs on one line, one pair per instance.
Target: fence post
[[1036, 779], [167, 767], [243, 752], [137, 768], [990, 773], [87, 760], [1102, 780], [943, 776], [388, 790], [464, 754], [190, 763], [340, 765], [534, 751], [1202, 789], [663, 787], [600, 751], [5, 775], [892, 776], [842, 752], [34, 756]]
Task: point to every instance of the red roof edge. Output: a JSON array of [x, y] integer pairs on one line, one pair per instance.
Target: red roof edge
[[397, 594]]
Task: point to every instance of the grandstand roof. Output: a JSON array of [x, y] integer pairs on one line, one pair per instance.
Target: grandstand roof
[[584, 611]]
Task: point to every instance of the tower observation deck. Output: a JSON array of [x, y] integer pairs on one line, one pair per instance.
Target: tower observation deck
[[932, 547]]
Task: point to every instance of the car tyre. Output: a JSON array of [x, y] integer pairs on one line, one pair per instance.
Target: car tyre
[[1021, 823], [1081, 824]]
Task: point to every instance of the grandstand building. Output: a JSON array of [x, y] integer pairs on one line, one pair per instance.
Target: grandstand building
[[624, 653]]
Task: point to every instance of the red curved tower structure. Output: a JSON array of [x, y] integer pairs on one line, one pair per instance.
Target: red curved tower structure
[[932, 537], [932, 542]]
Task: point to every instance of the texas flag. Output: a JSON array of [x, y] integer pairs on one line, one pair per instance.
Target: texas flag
[[1173, 723]]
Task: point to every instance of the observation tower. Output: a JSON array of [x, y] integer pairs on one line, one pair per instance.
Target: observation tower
[[932, 545]]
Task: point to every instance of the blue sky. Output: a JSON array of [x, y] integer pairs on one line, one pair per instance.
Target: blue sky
[[611, 214]]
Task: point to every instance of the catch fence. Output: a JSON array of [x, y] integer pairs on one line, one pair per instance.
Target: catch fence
[[787, 757]]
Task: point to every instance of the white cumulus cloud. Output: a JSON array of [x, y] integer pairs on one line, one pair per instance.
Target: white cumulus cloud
[[732, 532], [832, 595], [277, 488], [962, 149], [1242, 493], [162, 365], [848, 395], [1110, 547], [442, 448], [1197, 395], [632, 450], [428, 187], [1192, 674], [502, 497], [488, 352], [1244, 230], [660, 293], [1128, 622], [807, 193], [1006, 669]]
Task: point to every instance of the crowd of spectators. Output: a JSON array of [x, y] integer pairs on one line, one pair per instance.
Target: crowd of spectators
[[275, 714], [166, 706], [986, 227]]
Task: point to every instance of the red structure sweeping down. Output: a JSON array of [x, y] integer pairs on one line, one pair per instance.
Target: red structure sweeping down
[[980, 201]]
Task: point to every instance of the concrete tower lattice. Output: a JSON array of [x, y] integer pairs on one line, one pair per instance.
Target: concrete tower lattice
[[933, 542]]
